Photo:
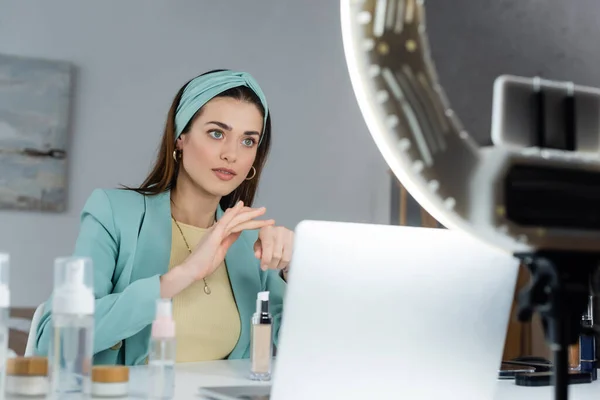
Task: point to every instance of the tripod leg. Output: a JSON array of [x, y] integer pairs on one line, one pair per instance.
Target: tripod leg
[[561, 362], [559, 291]]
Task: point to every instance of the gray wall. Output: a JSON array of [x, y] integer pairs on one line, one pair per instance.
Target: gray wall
[[133, 55], [475, 41]]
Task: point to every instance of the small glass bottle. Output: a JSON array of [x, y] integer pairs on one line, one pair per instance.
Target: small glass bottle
[[574, 357], [4, 315], [161, 360], [587, 343], [261, 340], [72, 338]]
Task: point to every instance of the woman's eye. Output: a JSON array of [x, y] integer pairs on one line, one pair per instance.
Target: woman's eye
[[216, 134], [249, 142]]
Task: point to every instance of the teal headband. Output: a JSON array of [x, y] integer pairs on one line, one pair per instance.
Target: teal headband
[[205, 87]]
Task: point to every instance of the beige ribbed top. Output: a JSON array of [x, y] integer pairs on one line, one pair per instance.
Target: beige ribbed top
[[207, 326]]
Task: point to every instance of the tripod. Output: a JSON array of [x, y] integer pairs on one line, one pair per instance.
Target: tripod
[[559, 292]]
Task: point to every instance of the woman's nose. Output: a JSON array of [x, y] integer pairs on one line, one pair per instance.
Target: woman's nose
[[229, 152]]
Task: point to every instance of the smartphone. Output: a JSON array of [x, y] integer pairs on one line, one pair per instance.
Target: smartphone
[[508, 371], [535, 112], [545, 378]]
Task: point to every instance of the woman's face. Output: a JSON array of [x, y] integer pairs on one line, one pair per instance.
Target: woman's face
[[220, 147]]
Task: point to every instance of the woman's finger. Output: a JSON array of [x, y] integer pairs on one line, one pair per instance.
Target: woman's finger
[[251, 225], [244, 217], [228, 215], [231, 213], [277, 250], [287, 250], [267, 243]]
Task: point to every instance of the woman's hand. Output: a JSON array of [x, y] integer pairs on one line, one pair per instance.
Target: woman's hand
[[211, 250], [274, 248]]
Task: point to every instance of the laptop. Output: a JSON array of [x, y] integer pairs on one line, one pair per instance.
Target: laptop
[[389, 312]]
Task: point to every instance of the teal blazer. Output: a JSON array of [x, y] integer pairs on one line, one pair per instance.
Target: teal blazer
[[128, 237]]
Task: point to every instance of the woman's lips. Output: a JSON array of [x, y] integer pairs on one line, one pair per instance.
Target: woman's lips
[[224, 174]]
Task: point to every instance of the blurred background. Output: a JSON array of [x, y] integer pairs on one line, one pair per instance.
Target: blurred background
[[110, 70]]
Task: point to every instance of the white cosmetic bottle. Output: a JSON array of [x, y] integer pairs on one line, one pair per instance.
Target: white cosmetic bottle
[[161, 360], [72, 339], [4, 315]]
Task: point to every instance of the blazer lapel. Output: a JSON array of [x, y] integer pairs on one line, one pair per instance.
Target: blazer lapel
[[245, 282], [152, 257], [154, 238]]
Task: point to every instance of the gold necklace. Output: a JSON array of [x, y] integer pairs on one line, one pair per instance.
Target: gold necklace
[[206, 288]]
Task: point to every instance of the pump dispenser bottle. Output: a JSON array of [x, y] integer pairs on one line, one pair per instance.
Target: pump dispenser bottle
[[4, 310], [161, 360], [72, 340], [261, 340]]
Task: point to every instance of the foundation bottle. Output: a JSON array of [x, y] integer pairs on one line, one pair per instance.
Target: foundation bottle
[[261, 341]]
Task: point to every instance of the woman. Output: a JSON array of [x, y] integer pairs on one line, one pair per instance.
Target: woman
[[188, 233]]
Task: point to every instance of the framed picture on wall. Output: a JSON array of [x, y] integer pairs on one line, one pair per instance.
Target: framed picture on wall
[[35, 104]]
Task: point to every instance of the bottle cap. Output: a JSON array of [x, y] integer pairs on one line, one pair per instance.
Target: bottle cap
[[164, 309], [263, 296], [4, 284], [27, 366], [73, 286], [262, 302], [163, 326], [110, 374]]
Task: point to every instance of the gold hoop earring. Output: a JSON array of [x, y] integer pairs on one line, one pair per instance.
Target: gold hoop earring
[[176, 155], [253, 175]]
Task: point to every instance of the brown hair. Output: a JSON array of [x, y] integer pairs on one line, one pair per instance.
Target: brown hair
[[164, 173]]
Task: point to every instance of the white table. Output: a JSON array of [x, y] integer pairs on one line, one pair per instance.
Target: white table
[[189, 377]]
